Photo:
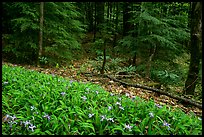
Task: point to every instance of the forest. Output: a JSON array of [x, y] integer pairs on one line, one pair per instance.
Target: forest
[[102, 68]]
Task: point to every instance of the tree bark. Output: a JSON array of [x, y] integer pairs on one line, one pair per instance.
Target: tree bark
[[90, 16], [196, 42], [41, 31], [94, 38], [148, 67], [126, 17], [104, 58], [116, 25], [184, 100]]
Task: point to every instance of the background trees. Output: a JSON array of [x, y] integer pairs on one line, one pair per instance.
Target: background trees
[[195, 47], [62, 31], [150, 38]]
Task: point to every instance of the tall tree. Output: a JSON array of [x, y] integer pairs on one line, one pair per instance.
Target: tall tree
[[196, 41], [41, 31], [126, 18], [89, 16]]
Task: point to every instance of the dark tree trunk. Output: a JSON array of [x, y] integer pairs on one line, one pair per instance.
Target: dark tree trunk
[[99, 17], [41, 31], [116, 25], [148, 67], [134, 59], [94, 38], [90, 16], [126, 17], [100, 13], [196, 41], [104, 58]]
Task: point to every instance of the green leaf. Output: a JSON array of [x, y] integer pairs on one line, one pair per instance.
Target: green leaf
[[88, 126], [48, 132]]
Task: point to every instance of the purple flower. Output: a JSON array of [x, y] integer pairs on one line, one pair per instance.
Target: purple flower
[[91, 115], [121, 107], [47, 116], [84, 98], [32, 127], [32, 108], [26, 123], [62, 93], [127, 94], [118, 103], [71, 81], [110, 119], [5, 83], [128, 127], [13, 118], [151, 114], [103, 117], [166, 124], [109, 107], [157, 105], [12, 122]]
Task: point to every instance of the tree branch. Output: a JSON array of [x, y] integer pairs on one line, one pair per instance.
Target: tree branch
[[158, 91]]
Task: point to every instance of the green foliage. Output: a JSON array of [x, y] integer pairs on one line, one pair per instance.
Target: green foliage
[[129, 69], [165, 77], [43, 60], [61, 32], [168, 33], [52, 105]]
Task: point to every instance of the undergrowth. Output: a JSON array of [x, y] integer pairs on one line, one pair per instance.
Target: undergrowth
[[39, 104]]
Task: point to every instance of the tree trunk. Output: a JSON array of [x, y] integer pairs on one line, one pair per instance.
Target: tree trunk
[[90, 16], [94, 38], [126, 17], [99, 16], [104, 58], [116, 25], [100, 13], [134, 59], [41, 31], [149, 62], [196, 42]]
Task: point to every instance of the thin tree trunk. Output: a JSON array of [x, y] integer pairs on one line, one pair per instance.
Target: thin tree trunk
[[41, 31], [134, 59], [127, 26], [95, 24], [104, 58], [116, 25], [149, 63], [196, 42]]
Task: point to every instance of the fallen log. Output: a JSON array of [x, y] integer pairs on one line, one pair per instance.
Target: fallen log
[[157, 91]]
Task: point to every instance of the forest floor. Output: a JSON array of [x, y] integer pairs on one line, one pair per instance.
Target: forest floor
[[74, 72]]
